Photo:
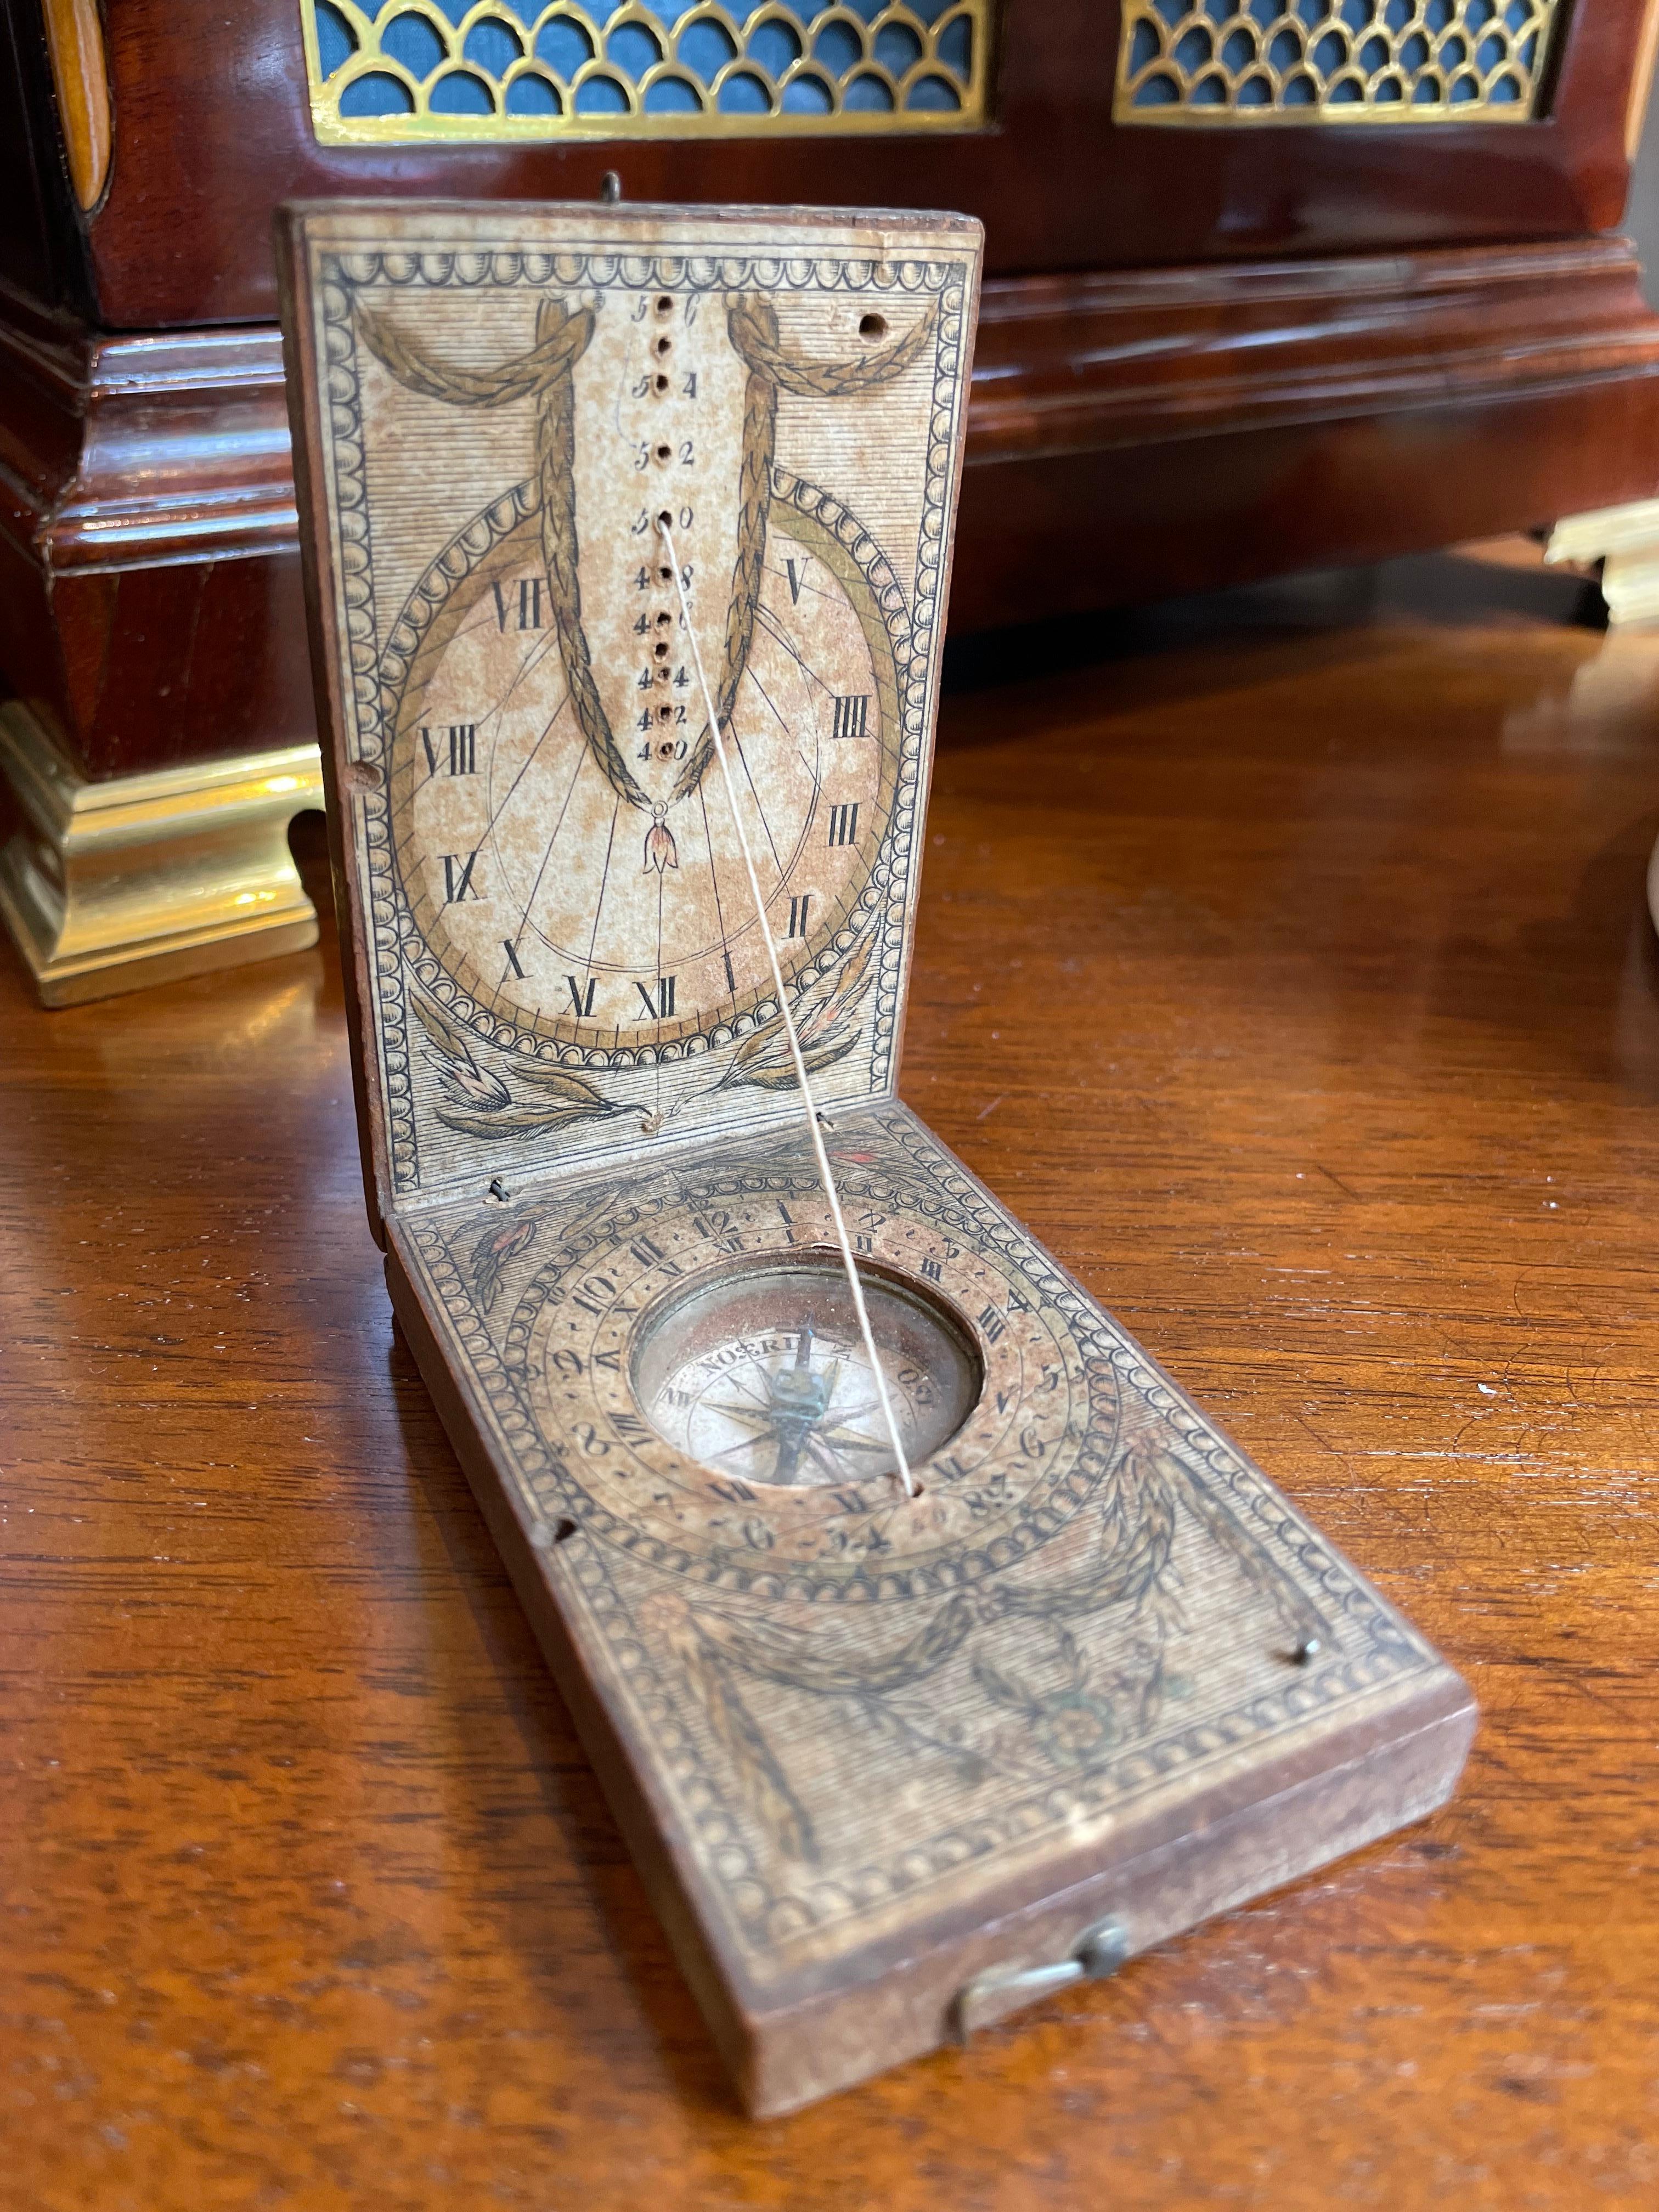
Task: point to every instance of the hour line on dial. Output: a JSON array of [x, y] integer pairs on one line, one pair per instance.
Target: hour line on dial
[[529, 881]]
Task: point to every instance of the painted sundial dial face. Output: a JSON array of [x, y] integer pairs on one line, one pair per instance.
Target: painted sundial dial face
[[563, 837]]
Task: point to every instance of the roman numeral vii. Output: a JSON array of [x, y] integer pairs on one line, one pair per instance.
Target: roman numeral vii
[[530, 603]]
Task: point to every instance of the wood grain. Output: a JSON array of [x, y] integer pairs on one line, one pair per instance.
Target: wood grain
[[1128, 431], [213, 128], [311, 1898]]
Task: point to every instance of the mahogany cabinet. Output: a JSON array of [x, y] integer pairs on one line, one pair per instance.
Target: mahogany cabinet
[[1270, 285]]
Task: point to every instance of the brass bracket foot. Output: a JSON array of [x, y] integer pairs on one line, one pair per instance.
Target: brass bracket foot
[[111, 887], [1625, 541]]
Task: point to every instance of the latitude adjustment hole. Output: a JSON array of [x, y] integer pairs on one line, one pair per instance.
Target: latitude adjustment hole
[[665, 713], [660, 384], [664, 621], [664, 347], [664, 519], [872, 327], [660, 648], [665, 749], [664, 305], [667, 574], [665, 453]]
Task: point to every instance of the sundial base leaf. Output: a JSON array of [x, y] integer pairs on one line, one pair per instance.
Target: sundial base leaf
[[865, 1749]]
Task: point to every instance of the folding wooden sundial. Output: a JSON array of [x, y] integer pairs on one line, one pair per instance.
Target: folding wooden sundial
[[906, 1721]]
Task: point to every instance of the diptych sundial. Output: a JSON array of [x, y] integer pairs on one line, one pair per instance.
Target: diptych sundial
[[934, 1649]]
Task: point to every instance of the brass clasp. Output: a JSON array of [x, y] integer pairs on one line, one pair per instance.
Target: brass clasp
[[1098, 1952]]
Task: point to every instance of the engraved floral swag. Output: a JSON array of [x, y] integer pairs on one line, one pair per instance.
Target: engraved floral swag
[[828, 1020], [479, 1104], [1068, 1724], [501, 1244], [716, 1647], [1073, 1716], [543, 375]]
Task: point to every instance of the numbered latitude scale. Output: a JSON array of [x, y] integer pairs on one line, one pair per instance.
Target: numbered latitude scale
[[935, 1650]]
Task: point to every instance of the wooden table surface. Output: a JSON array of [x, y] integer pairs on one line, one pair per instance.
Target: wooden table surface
[[1286, 968]]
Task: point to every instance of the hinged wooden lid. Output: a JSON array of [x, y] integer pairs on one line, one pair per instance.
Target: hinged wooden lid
[[550, 942]]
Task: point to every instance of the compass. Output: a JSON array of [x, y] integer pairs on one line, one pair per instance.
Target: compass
[[698, 1345], [761, 1371], [934, 1648]]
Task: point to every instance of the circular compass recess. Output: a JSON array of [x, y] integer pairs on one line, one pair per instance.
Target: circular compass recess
[[758, 1368], [693, 1370]]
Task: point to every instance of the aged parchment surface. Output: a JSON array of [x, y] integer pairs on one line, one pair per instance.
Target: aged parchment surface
[[567, 955]]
